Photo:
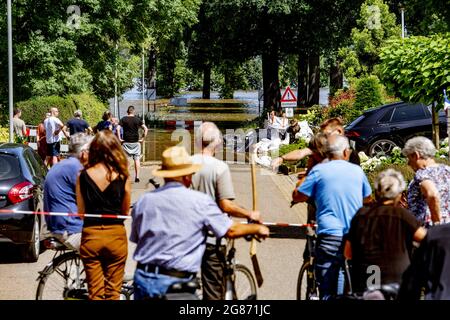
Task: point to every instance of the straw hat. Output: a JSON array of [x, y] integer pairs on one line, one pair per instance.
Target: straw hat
[[176, 163]]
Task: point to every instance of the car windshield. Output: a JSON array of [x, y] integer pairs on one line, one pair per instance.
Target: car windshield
[[9, 166]]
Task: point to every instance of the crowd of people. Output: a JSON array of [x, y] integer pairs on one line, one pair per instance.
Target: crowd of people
[[180, 229]]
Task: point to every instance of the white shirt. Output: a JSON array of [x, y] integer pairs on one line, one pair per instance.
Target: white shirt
[[52, 124]]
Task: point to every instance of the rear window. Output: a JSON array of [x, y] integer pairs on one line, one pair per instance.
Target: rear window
[[9, 166], [387, 116], [355, 122], [409, 112]]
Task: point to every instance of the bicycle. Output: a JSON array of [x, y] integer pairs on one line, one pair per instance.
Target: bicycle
[[64, 277], [307, 288], [240, 283]]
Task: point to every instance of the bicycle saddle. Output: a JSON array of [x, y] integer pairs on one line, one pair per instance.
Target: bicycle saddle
[[53, 243]]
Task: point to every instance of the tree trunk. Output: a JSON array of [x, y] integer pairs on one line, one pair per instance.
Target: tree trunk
[[271, 87], [302, 92], [336, 78], [314, 80], [435, 117], [206, 82]]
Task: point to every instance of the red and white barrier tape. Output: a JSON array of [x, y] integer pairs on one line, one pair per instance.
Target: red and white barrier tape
[[113, 216], [65, 214]]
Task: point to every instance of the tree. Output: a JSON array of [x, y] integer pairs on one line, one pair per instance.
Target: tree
[[374, 26], [417, 69], [56, 52], [155, 25]]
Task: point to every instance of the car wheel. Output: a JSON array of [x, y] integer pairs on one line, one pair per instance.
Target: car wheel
[[30, 252], [381, 147]]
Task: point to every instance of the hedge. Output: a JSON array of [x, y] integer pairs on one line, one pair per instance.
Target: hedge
[[4, 134], [34, 110]]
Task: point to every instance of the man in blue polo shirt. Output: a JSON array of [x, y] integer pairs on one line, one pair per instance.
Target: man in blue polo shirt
[[338, 189], [60, 195], [170, 224]]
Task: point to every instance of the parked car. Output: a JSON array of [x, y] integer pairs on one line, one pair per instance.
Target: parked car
[[377, 131], [22, 175]]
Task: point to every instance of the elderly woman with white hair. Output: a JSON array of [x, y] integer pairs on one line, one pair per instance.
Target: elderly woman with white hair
[[381, 237], [429, 191]]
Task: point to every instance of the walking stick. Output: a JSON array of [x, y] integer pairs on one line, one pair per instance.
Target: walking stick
[[258, 274]]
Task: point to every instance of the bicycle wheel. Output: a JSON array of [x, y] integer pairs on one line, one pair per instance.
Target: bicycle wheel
[[306, 283], [63, 279], [244, 283]]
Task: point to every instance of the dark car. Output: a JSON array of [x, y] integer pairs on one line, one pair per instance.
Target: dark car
[[379, 130], [22, 175]]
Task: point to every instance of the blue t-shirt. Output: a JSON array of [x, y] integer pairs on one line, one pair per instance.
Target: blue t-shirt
[[338, 188], [60, 196], [76, 125]]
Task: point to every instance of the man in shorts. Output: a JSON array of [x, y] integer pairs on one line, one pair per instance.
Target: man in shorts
[[53, 127], [130, 140]]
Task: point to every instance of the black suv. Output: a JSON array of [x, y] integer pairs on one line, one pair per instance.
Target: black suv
[[377, 131], [22, 175]]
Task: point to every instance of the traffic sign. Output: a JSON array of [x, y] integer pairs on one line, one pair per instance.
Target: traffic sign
[[288, 99], [289, 112]]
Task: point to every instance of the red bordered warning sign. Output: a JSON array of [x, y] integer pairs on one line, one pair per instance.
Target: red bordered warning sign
[[288, 99]]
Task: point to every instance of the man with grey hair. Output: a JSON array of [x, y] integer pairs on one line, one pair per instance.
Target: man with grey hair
[[338, 189], [60, 195], [382, 235], [429, 191], [214, 179], [76, 124]]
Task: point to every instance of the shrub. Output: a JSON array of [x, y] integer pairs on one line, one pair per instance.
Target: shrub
[[344, 110], [33, 110], [368, 93], [342, 95], [4, 134], [315, 115], [91, 107], [404, 169], [300, 144]]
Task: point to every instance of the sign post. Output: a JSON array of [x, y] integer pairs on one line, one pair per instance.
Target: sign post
[[289, 101]]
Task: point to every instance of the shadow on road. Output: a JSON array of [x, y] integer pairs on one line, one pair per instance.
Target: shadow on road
[[9, 254]]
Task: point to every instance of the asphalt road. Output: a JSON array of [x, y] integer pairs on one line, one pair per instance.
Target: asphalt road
[[279, 259]]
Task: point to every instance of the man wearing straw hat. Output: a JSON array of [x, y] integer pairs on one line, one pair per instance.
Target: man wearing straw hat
[[170, 225]]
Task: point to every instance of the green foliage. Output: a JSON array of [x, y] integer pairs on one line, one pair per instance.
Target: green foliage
[[404, 169], [315, 115], [300, 144], [417, 68], [368, 93], [34, 110], [374, 26], [4, 134]]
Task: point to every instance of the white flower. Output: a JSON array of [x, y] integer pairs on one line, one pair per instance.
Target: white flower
[[396, 149], [362, 156]]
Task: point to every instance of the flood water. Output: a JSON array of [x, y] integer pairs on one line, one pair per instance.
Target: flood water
[[176, 123]]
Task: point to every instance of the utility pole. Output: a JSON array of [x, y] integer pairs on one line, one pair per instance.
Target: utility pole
[[143, 85], [10, 71], [402, 11], [116, 100]]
